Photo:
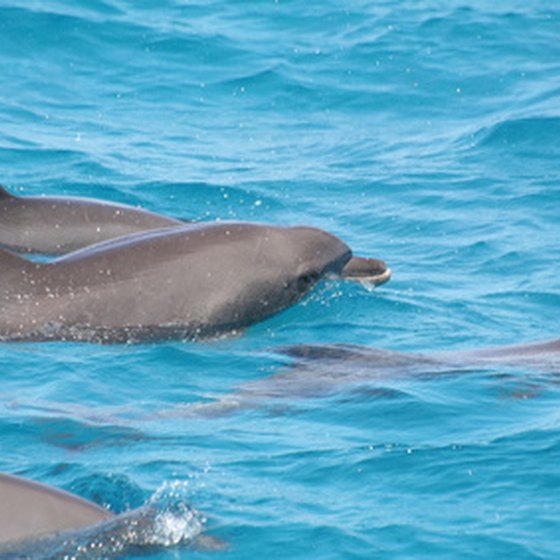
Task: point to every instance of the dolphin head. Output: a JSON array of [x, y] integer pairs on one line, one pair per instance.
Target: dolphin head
[[288, 263], [315, 254], [300, 256]]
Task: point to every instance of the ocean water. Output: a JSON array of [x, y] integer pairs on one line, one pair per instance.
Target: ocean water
[[425, 133]]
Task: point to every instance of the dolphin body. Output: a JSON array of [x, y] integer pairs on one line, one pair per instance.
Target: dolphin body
[[183, 282], [56, 225], [29, 509], [320, 370], [543, 355], [42, 522]]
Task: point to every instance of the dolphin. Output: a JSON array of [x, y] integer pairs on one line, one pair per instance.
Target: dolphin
[[38, 521], [540, 355], [29, 509], [319, 370], [184, 282], [56, 224]]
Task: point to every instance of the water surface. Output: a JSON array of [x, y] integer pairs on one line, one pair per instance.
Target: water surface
[[425, 133]]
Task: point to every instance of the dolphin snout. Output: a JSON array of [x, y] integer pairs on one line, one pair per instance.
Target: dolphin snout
[[362, 269]]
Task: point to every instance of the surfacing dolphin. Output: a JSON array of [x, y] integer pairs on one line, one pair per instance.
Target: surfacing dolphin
[[29, 509], [57, 224], [42, 522], [184, 282]]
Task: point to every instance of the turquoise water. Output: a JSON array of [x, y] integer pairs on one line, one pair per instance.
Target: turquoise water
[[425, 133]]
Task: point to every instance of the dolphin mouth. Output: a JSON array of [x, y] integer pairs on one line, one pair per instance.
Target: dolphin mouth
[[370, 271]]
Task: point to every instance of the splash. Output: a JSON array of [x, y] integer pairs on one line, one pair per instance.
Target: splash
[[176, 522]]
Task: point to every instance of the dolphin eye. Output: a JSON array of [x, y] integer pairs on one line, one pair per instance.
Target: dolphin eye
[[305, 281]]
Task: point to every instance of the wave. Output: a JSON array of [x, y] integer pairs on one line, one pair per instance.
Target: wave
[[530, 136]]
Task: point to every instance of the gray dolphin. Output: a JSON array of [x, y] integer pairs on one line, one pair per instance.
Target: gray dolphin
[[56, 224], [374, 362], [182, 282], [29, 509], [325, 369], [42, 522]]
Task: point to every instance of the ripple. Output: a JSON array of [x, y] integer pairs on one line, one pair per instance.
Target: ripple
[[531, 136]]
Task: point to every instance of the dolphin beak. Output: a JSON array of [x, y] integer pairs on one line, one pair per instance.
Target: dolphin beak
[[370, 271]]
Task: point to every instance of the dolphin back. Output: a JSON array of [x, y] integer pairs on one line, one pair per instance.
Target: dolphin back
[[4, 193], [29, 510], [15, 268], [61, 224]]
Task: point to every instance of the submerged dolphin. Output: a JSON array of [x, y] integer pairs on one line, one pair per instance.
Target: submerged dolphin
[[321, 370], [56, 224], [384, 363], [41, 522], [183, 282]]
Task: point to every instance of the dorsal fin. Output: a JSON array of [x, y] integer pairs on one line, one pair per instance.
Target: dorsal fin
[[4, 193]]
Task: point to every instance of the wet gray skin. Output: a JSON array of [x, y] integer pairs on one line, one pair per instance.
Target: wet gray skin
[[29, 509], [42, 522], [184, 282], [56, 225]]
